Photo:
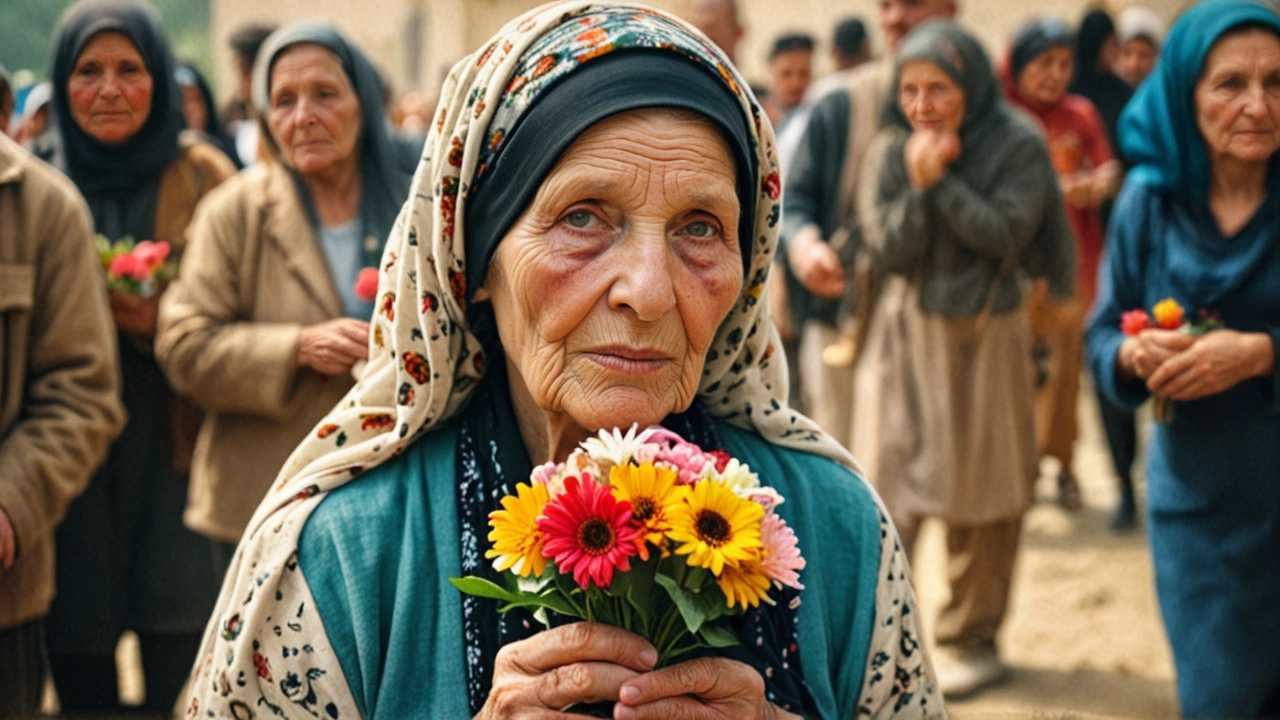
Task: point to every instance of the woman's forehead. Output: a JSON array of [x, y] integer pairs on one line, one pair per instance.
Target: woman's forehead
[[112, 42], [308, 58]]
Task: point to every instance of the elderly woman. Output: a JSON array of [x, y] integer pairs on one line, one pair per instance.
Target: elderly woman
[[553, 274], [124, 559], [201, 112], [1035, 78], [265, 325], [1196, 223], [966, 204]]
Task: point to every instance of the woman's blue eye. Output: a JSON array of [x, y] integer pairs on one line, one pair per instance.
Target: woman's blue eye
[[578, 218]]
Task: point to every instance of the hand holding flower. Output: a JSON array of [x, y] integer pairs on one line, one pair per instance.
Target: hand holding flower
[[710, 688], [134, 314], [1213, 363], [1142, 354], [568, 665]]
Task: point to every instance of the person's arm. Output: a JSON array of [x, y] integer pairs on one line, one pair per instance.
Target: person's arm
[[811, 192], [209, 352], [71, 408], [1001, 224], [894, 213], [1120, 290]]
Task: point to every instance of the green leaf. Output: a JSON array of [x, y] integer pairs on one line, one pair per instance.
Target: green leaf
[[685, 601], [716, 636], [480, 587], [549, 598]]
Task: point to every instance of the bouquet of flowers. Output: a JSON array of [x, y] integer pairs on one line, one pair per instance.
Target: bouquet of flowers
[[646, 532], [1168, 315], [141, 269]]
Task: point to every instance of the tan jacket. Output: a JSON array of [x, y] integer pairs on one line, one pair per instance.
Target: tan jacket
[[59, 381], [252, 277]]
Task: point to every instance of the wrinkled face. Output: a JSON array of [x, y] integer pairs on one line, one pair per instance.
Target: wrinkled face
[[314, 112], [791, 72], [930, 99], [1044, 80], [109, 92], [897, 17], [193, 108], [1137, 60], [1237, 98], [610, 287]]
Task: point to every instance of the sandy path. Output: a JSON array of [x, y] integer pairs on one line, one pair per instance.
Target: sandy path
[[1084, 637]]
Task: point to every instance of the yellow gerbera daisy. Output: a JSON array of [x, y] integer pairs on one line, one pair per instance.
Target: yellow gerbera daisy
[[650, 490], [517, 541], [715, 527], [745, 585]]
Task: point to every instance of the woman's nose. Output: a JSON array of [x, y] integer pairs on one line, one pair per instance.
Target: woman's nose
[[1255, 100], [641, 265]]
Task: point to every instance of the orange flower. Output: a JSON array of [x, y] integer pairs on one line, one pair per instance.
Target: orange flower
[[1168, 314]]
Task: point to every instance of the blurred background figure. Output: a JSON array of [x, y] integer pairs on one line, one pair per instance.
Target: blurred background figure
[[266, 323], [124, 559], [718, 20], [849, 44], [59, 399], [1035, 77], [822, 178], [201, 112], [1196, 223], [38, 134], [966, 205], [7, 99], [1097, 51], [1140, 31], [790, 71], [238, 118], [413, 113]]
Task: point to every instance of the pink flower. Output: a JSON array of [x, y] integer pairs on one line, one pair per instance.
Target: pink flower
[[782, 559], [688, 459], [1134, 322], [367, 284], [128, 265], [151, 254], [588, 532]]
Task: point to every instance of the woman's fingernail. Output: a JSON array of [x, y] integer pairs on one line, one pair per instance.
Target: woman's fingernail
[[629, 695], [648, 658], [622, 712]]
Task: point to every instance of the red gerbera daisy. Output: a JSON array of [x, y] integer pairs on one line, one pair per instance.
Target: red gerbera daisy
[[587, 532]]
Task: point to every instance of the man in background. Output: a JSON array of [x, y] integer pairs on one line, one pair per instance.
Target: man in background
[[718, 20], [790, 70], [238, 118], [849, 46], [59, 403]]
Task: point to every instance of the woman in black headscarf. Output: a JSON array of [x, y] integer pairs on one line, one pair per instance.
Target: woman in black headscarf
[[124, 559], [201, 112], [1097, 51], [264, 328]]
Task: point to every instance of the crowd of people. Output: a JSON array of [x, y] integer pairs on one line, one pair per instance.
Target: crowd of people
[[385, 313]]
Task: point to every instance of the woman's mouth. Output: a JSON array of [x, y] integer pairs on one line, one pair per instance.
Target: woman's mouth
[[630, 361]]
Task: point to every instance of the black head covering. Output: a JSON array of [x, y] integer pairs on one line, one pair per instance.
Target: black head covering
[[386, 169], [616, 83], [217, 134], [120, 182], [1035, 37], [1104, 89]]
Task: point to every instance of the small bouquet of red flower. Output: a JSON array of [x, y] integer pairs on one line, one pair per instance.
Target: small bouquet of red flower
[[1167, 315], [141, 269], [643, 531]]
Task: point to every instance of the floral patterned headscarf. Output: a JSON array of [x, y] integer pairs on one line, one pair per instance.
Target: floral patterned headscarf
[[424, 361]]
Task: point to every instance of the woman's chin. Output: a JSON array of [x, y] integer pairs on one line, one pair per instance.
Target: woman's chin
[[621, 407]]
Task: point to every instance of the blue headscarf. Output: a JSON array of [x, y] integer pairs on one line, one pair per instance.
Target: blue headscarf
[[1158, 131]]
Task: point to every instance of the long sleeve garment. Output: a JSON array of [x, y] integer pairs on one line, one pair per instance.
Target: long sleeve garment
[[1213, 473]]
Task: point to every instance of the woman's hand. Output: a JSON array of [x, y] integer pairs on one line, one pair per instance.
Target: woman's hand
[[1215, 362], [331, 348], [134, 314], [579, 663], [1143, 353], [928, 155], [701, 689]]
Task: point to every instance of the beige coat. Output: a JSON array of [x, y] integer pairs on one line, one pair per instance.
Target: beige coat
[[59, 382], [252, 277]]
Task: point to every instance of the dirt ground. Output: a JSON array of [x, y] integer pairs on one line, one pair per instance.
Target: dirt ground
[[1083, 638]]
